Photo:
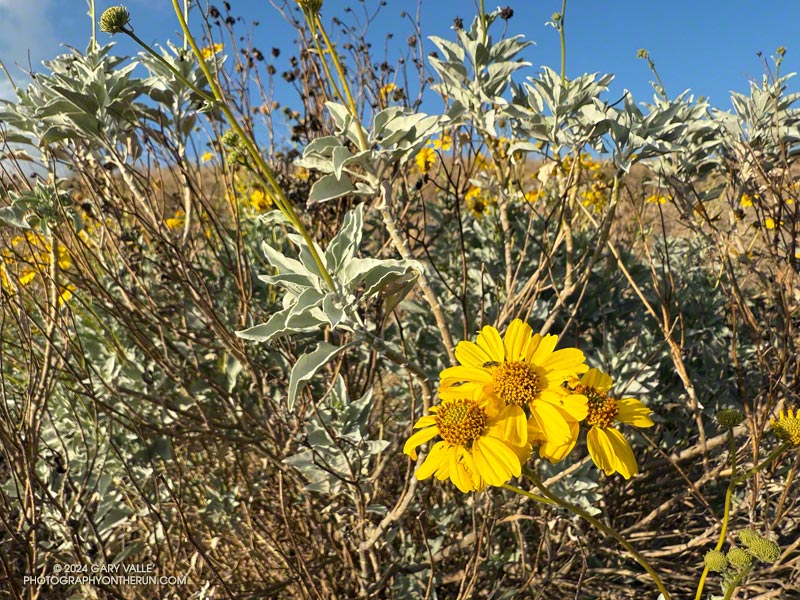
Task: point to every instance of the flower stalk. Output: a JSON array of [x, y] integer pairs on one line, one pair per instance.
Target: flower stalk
[[610, 531]]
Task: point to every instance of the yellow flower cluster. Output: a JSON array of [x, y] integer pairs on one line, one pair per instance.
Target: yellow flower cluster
[[27, 257], [511, 394], [478, 202], [210, 51]]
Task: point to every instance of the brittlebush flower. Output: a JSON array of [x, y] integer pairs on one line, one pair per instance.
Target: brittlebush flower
[[787, 427], [475, 450], [610, 451], [386, 90], [210, 51], [176, 221], [425, 159], [521, 371]]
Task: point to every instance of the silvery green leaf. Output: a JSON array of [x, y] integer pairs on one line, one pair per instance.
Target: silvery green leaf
[[339, 158], [284, 264], [333, 309], [452, 51], [15, 215], [328, 188], [344, 244], [307, 366], [376, 274], [283, 322]]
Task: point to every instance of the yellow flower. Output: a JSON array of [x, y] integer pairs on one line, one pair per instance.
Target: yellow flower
[[444, 143], [426, 158], [476, 202], [769, 223], [302, 174], [610, 451], [27, 277], [386, 90], [207, 156], [210, 51], [595, 197], [787, 427], [176, 221], [260, 201], [533, 195], [658, 199], [521, 370], [475, 450], [65, 294], [746, 201]]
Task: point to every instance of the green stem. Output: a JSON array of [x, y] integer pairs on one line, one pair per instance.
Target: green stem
[[610, 531], [528, 494], [313, 28], [483, 22], [94, 24], [362, 138], [735, 582], [735, 480], [278, 195], [563, 37]]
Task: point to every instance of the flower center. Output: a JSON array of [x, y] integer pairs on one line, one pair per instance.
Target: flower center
[[460, 421], [516, 383], [787, 428], [603, 410]]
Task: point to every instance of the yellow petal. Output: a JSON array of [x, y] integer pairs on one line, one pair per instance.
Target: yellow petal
[[489, 340], [601, 450], [462, 373], [550, 422], [420, 437], [494, 460], [425, 421], [539, 352], [518, 336], [510, 425], [564, 363], [437, 455], [597, 379], [471, 355], [459, 475], [625, 461], [575, 406], [555, 453], [633, 412]]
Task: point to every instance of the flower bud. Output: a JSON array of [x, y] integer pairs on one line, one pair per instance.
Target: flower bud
[[740, 559], [114, 19], [765, 550], [715, 561], [231, 139], [729, 417], [748, 536]]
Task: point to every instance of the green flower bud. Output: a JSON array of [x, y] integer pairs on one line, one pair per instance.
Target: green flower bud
[[765, 550], [234, 157], [114, 19], [748, 537], [715, 561], [729, 417], [642, 53], [231, 139], [740, 559]]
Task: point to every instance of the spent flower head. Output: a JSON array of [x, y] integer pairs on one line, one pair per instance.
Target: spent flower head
[[114, 19]]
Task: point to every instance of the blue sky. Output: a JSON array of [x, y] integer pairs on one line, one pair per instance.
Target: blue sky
[[707, 46]]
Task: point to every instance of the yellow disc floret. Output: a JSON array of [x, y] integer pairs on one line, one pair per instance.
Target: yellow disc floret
[[461, 421], [517, 383]]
